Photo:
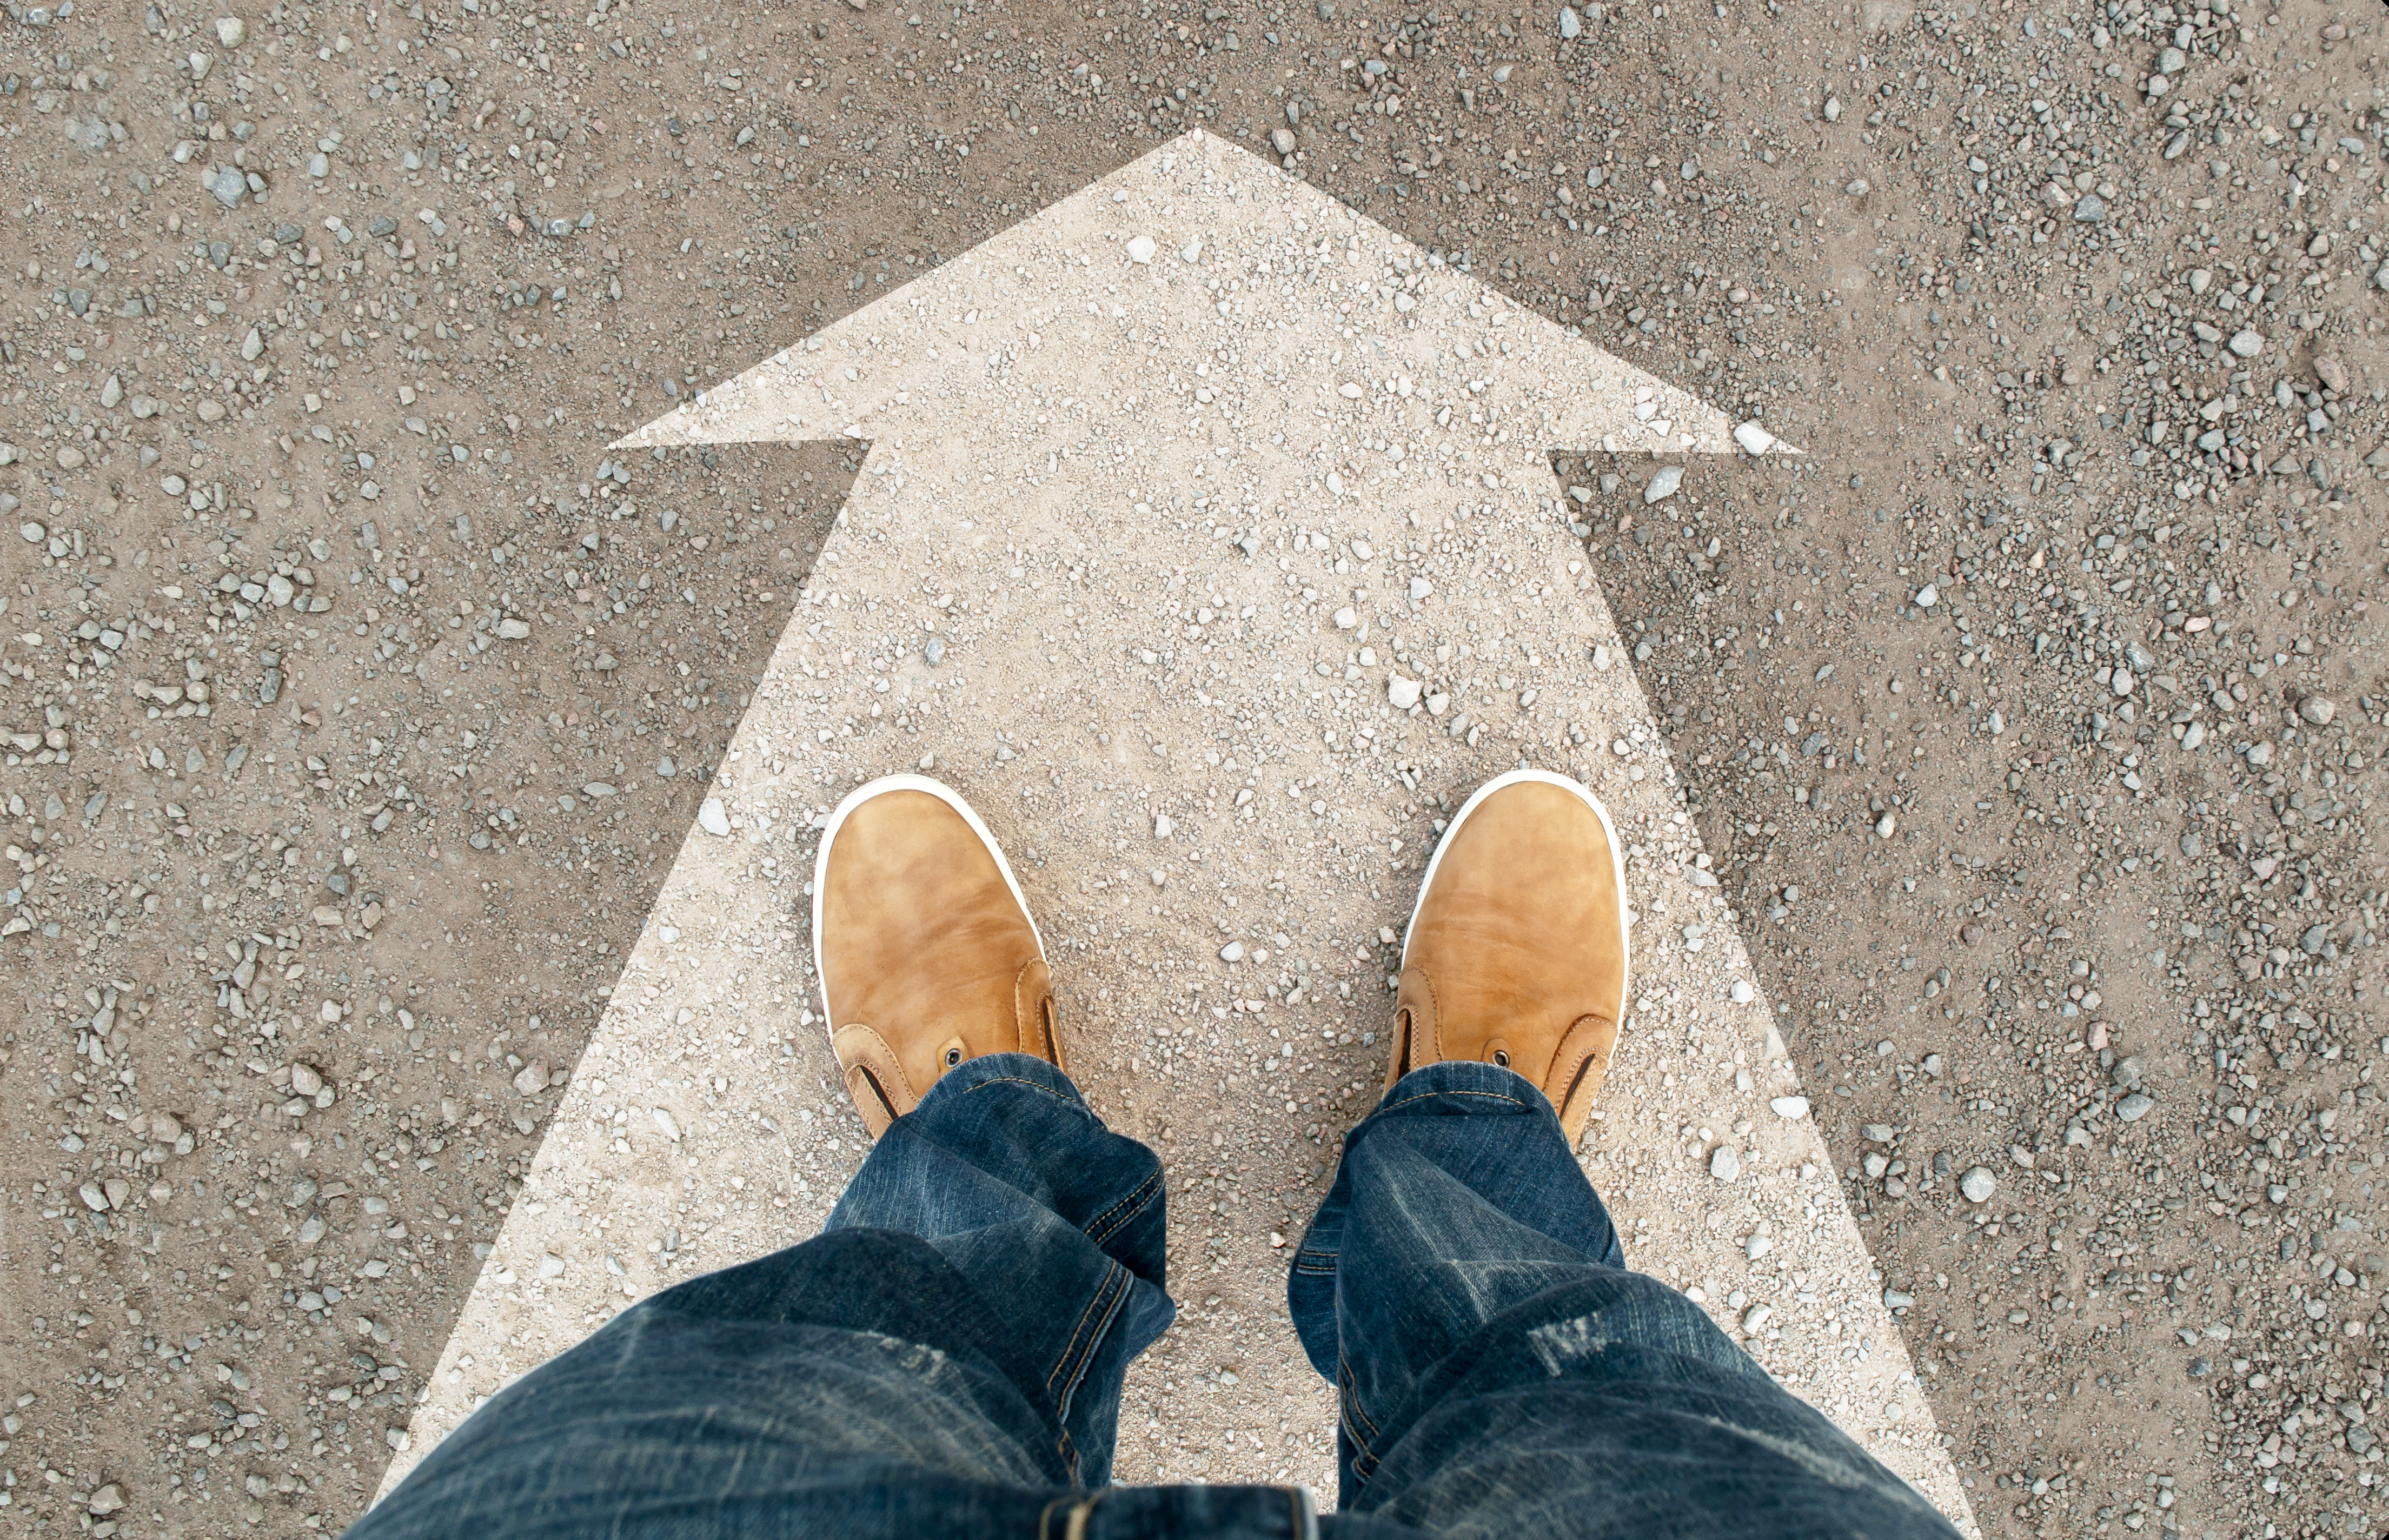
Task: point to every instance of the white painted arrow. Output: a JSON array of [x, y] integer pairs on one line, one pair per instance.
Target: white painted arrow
[[1207, 539]]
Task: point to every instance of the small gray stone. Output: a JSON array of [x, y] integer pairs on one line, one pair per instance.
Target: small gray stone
[[2318, 710], [1282, 140], [1790, 1106], [231, 31], [2090, 208], [1663, 482], [1571, 26], [2134, 1107], [1725, 1165], [1978, 1184], [2246, 343], [229, 186]]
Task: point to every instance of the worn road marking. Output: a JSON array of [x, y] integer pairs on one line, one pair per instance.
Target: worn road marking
[[1196, 485]]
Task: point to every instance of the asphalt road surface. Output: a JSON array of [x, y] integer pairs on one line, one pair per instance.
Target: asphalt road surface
[[2030, 718]]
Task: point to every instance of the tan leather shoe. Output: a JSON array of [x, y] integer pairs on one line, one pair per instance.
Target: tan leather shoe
[[1516, 951], [924, 945]]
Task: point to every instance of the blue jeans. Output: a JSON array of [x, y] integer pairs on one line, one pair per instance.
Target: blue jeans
[[946, 1358]]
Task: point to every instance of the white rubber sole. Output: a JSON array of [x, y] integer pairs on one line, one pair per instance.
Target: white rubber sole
[[881, 787], [1513, 778]]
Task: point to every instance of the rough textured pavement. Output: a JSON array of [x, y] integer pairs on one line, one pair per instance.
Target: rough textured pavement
[[2075, 309]]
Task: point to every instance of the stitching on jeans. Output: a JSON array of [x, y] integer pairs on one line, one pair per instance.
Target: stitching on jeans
[[1135, 1203], [1429, 1096], [1024, 1080], [1344, 1373], [1078, 1511], [1062, 1445], [1111, 1313], [1098, 1231], [1348, 1409], [1079, 1333]]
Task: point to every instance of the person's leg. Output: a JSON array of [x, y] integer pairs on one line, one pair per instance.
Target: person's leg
[[946, 1358], [1498, 1370], [946, 1355]]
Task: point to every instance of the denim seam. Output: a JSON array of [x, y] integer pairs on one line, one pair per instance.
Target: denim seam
[[1300, 1520], [1079, 1352], [1098, 1231], [1344, 1373], [1078, 1332], [1430, 1096], [1032, 1085], [1349, 1411], [1078, 1508]]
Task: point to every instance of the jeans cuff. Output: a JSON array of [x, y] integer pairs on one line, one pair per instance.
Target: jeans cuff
[[1473, 1085], [1021, 1069]]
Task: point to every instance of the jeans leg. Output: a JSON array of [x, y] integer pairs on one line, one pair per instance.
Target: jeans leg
[[1499, 1370], [946, 1358]]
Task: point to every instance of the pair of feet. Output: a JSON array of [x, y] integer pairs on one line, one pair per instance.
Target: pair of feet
[[1515, 953]]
